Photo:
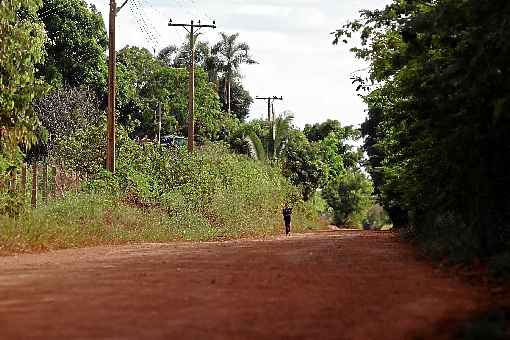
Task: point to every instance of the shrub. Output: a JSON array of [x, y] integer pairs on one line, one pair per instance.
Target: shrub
[[350, 197], [161, 194], [377, 217]]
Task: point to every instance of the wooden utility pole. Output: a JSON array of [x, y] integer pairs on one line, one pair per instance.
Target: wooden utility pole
[[273, 124], [159, 123], [112, 87], [270, 109], [193, 29], [270, 101]]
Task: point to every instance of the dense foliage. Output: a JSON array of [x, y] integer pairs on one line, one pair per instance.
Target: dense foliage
[[21, 48], [322, 161], [303, 164], [147, 85], [234, 185], [162, 195], [350, 196], [437, 132], [76, 45]]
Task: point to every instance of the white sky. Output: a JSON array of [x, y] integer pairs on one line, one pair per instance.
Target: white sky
[[289, 38]]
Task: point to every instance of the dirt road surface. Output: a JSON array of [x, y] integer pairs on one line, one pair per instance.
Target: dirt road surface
[[326, 285]]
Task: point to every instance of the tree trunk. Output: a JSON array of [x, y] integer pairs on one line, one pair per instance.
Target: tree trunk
[[228, 97]]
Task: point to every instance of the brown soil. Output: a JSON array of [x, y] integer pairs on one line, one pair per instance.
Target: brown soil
[[327, 285]]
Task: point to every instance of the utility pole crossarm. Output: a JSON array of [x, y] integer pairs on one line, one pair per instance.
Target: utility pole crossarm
[[188, 25], [192, 24], [270, 100]]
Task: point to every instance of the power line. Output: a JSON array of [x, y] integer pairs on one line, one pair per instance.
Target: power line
[[152, 30], [135, 10], [55, 10], [50, 8], [148, 36], [165, 16]]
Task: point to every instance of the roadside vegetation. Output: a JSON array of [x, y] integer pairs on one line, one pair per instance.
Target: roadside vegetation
[[439, 114], [165, 195], [52, 106]]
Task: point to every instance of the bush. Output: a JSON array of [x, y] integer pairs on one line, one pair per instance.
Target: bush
[[377, 217], [158, 195], [350, 197], [231, 194], [445, 235]]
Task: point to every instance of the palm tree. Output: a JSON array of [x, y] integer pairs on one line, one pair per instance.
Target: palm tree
[[282, 127], [265, 142], [230, 55], [173, 56]]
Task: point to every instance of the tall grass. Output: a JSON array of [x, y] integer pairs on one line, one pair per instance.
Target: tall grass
[[161, 195]]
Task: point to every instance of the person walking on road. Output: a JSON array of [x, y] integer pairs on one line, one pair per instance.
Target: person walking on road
[[287, 216]]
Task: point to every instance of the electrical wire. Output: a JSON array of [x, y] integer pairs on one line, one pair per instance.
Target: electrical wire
[[150, 39], [56, 9], [148, 27], [156, 35]]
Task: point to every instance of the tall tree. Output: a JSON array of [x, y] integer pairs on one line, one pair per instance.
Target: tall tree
[[302, 164], [21, 48], [241, 99], [319, 131], [440, 115], [231, 54], [76, 45], [145, 83], [350, 197]]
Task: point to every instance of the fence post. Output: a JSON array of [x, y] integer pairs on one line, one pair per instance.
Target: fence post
[[77, 182], [34, 185], [23, 180], [45, 184], [62, 185], [54, 182], [12, 186]]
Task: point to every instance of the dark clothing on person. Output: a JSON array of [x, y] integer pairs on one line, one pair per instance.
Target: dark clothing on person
[[287, 216]]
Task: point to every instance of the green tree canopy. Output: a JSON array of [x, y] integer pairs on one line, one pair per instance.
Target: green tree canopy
[[339, 154], [350, 196], [21, 48], [302, 164], [76, 45], [145, 83], [319, 131], [230, 55], [439, 114]]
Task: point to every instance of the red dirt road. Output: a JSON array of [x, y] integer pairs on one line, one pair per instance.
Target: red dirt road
[[327, 285]]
